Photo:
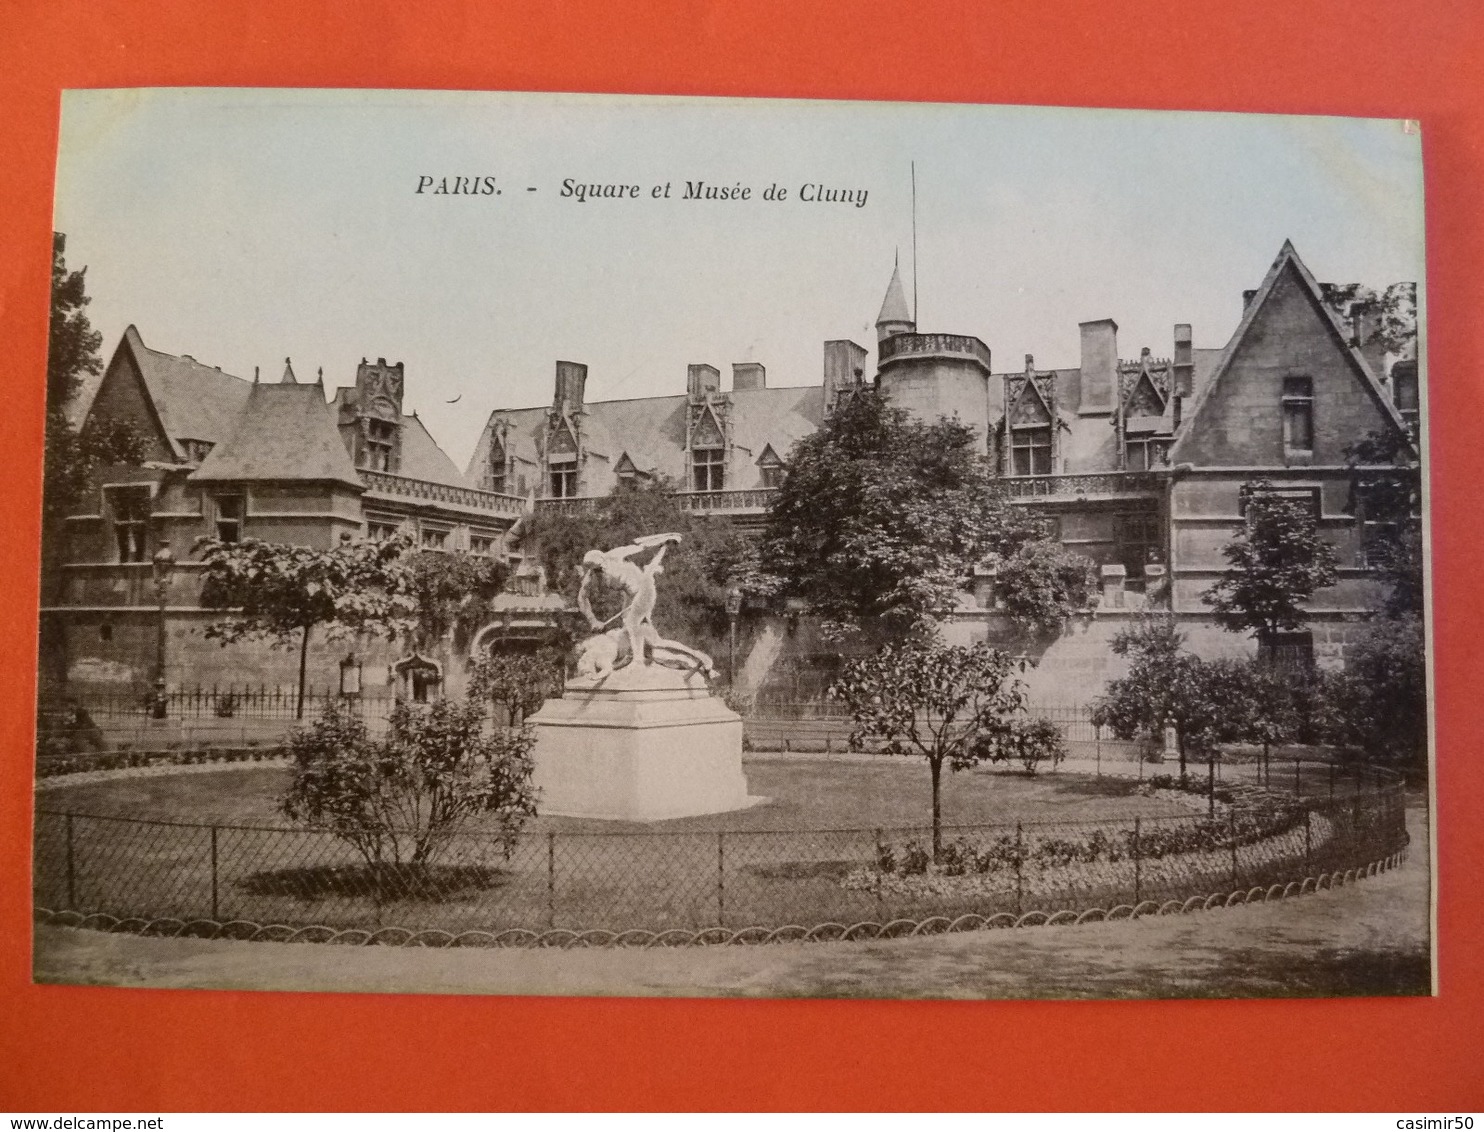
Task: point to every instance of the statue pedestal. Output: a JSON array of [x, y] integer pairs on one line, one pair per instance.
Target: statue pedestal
[[641, 745]]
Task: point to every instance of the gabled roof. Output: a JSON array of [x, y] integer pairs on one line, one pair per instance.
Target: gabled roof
[[284, 432], [421, 457], [894, 306], [193, 401], [1288, 258]]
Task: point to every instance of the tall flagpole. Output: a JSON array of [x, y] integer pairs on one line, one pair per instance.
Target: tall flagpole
[[914, 246]]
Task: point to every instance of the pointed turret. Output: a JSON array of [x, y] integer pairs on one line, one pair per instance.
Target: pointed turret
[[895, 317], [288, 377]]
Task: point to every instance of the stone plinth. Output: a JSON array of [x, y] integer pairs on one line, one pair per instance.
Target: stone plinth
[[639, 745]]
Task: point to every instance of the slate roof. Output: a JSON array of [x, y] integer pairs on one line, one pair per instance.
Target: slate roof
[[194, 401], [894, 306], [285, 432]]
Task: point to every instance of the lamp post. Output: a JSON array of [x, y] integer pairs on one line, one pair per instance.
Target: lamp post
[[162, 563], [734, 607]]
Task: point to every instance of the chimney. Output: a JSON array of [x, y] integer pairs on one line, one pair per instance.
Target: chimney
[[701, 379], [844, 361], [1099, 365], [748, 375], [1184, 361], [571, 383]]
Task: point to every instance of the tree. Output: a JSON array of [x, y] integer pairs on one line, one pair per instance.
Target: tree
[[1275, 565], [1379, 702], [277, 592], [1386, 497], [517, 682], [948, 704], [400, 800], [1043, 585], [452, 593], [71, 457], [882, 518], [712, 556], [1206, 702], [1395, 309]]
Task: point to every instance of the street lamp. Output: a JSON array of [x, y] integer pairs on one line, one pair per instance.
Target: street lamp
[[162, 563], [734, 607]]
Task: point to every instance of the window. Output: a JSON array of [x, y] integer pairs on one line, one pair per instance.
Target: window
[[130, 506], [1030, 451], [708, 468], [497, 479], [1137, 540], [1143, 454], [196, 450], [562, 477], [229, 511], [380, 440], [380, 530], [1298, 414], [482, 545], [1307, 497], [435, 539], [772, 471], [1405, 393]]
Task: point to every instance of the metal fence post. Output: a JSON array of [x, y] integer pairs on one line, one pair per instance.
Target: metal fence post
[[1231, 817], [214, 913], [721, 888], [1308, 839], [1331, 782], [1137, 877], [1019, 871], [1297, 788], [551, 880], [71, 873]]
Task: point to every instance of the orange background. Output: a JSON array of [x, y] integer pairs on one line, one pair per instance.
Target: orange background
[[67, 1048]]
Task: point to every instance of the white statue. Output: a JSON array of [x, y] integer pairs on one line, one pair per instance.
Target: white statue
[[598, 655]]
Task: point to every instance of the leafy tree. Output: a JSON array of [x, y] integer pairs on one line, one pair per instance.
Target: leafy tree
[[278, 592], [517, 682], [1275, 565], [1043, 585], [949, 704], [452, 593], [1395, 308], [401, 799], [882, 518], [1029, 741], [1380, 700], [712, 556], [1206, 702], [71, 457], [1386, 493]]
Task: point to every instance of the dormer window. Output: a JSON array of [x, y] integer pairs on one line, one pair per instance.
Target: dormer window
[[1298, 416], [708, 469], [562, 476], [1030, 451], [381, 437], [770, 469]]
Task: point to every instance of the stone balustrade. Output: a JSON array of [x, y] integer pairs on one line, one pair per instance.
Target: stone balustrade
[[1082, 486], [469, 498]]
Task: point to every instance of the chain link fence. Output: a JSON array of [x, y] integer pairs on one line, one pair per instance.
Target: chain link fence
[[657, 882]]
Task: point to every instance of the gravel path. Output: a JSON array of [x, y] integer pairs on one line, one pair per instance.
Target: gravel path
[[1370, 938]]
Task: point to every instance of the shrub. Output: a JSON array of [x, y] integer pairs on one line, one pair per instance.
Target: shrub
[[400, 800]]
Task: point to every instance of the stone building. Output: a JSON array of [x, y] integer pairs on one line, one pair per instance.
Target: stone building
[[1140, 460]]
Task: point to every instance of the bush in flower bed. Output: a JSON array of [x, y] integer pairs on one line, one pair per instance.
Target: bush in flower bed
[[51, 767], [1004, 852]]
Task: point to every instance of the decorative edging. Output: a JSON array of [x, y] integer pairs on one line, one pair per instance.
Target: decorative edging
[[567, 939]]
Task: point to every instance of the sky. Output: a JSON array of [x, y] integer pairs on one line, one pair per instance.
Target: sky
[[243, 227]]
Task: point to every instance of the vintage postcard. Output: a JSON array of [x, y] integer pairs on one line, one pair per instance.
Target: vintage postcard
[[621, 545]]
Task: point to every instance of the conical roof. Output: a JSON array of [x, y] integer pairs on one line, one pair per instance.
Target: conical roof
[[894, 306]]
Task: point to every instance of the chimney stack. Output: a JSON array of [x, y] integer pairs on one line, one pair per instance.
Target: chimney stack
[[571, 385], [748, 375], [1184, 361], [843, 361], [1099, 366], [701, 379], [1366, 320]]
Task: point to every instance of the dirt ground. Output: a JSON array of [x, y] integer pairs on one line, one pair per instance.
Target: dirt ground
[[1370, 938]]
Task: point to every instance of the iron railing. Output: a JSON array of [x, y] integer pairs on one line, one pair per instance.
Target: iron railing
[[630, 885]]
